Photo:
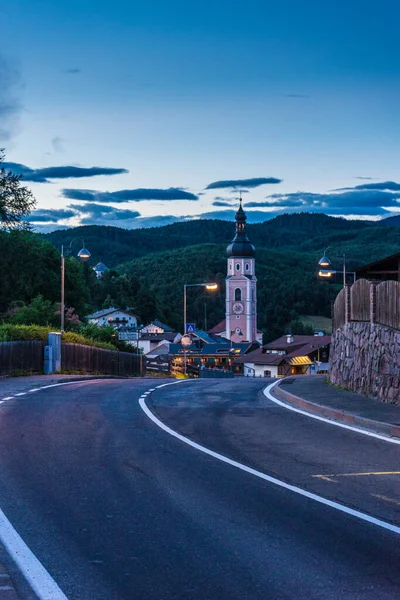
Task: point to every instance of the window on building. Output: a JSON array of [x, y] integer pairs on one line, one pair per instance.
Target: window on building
[[247, 267], [238, 295], [237, 267]]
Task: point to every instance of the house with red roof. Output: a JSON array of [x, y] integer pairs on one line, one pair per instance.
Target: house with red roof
[[288, 355]]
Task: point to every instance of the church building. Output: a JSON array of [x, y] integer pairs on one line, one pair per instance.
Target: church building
[[240, 323]]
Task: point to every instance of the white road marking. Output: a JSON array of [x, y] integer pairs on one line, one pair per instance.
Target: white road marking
[[292, 488], [325, 420], [34, 572], [20, 394], [34, 390], [32, 569]]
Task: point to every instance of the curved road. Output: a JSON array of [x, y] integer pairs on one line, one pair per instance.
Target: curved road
[[115, 508]]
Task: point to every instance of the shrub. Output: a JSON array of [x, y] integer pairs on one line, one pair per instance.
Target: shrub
[[11, 333]]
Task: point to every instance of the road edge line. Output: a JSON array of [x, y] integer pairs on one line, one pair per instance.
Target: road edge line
[[37, 577], [379, 436], [311, 496]]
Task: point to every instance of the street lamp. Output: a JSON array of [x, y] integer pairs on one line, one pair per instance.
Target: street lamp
[[210, 287], [83, 254], [327, 272]]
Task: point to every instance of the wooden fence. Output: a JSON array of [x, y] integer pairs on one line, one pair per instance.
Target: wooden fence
[[21, 356], [360, 301], [369, 302], [339, 310], [28, 356], [96, 360], [388, 304]]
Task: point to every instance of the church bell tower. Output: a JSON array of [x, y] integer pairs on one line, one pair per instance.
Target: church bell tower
[[241, 285]]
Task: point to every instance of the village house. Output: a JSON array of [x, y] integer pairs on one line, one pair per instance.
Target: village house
[[113, 316], [288, 355], [210, 350]]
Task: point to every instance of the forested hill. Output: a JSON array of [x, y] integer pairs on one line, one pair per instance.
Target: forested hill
[[113, 245], [150, 266]]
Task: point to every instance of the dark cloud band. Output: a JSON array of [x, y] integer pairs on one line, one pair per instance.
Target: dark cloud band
[[63, 172], [137, 195], [250, 183]]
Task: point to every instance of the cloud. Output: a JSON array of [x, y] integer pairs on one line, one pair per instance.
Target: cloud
[[142, 222], [365, 178], [381, 185], [96, 213], [73, 71], [297, 96], [64, 172], [222, 203], [58, 144], [351, 202], [50, 215], [253, 216], [137, 195], [235, 183], [10, 105]]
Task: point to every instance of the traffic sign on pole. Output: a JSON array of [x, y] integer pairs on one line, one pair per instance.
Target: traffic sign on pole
[[190, 327]]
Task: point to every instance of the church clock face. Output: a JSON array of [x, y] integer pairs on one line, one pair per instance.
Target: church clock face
[[237, 308]]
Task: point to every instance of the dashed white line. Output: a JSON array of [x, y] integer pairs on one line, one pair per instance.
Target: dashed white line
[[325, 420], [20, 394], [320, 499]]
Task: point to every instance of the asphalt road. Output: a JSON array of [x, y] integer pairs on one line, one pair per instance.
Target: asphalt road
[[117, 509]]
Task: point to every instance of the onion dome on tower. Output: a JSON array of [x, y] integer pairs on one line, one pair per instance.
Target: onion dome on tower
[[240, 245]]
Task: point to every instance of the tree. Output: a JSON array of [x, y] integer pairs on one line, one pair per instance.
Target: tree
[[16, 201]]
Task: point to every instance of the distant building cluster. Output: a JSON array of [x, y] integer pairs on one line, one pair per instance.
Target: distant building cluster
[[235, 344]]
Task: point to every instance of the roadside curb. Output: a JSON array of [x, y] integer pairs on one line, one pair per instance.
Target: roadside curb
[[337, 415]]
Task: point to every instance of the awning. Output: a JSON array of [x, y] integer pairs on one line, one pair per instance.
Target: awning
[[300, 360]]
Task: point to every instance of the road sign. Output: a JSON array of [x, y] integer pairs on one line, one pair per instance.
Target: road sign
[[127, 336], [190, 327]]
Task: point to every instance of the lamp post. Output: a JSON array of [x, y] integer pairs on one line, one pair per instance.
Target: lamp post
[[211, 287], [327, 272], [83, 254]]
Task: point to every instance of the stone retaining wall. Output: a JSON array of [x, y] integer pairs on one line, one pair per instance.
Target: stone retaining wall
[[365, 358]]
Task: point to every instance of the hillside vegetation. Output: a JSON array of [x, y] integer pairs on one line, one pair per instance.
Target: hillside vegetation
[[148, 267], [113, 245]]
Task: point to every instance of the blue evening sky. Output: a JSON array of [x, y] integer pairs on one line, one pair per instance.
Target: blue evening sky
[[186, 94]]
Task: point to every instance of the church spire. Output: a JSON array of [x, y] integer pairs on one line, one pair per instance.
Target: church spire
[[241, 245]]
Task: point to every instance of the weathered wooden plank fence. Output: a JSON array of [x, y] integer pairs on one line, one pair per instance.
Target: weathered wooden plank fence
[[28, 356], [21, 356], [360, 301], [369, 302], [96, 360], [339, 310]]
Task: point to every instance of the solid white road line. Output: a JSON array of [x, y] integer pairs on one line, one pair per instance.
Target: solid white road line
[[325, 419], [20, 394], [7, 398], [292, 488], [34, 572]]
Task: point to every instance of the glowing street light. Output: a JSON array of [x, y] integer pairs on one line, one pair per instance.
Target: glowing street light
[[327, 273], [210, 287]]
